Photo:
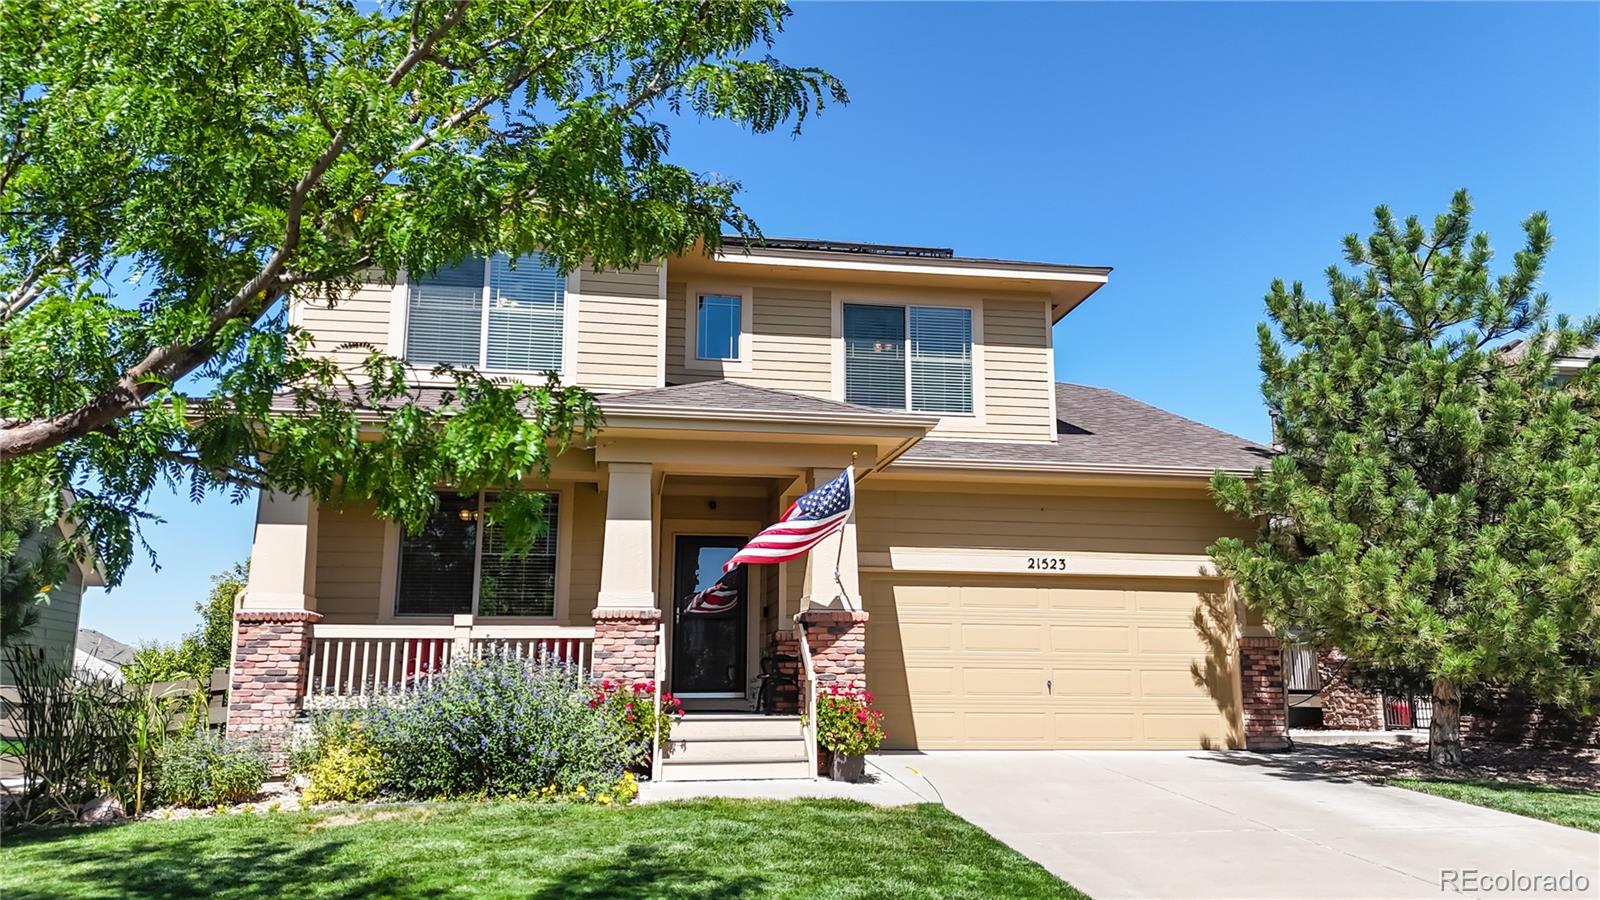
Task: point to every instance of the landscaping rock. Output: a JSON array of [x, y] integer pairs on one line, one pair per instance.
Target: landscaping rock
[[101, 810]]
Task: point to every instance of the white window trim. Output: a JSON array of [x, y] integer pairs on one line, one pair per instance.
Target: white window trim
[[400, 311], [389, 588], [691, 332], [908, 299]]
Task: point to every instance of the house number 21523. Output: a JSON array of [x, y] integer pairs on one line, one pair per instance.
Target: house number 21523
[[1047, 563]]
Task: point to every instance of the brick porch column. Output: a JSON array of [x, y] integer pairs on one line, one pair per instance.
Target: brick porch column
[[1343, 704], [273, 624], [625, 644], [271, 651], [626, 618], [838, 640], [1265, 707]]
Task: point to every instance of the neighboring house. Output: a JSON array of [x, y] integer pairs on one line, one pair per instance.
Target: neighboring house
[[1026, 567], [101, 656], [55, 628]]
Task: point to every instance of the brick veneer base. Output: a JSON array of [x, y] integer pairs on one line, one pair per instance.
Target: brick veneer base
[[1261, 690], [268, 680], [625, 644], [838, 641], [1344, 705], [786, 692]]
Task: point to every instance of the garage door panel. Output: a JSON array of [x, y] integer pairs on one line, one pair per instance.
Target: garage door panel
[[1009, 638], [1064, 638], [1092, 682], [964, 663], [978, 680]]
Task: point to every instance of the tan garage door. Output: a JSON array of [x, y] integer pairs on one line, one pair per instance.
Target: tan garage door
[[1000, 662]]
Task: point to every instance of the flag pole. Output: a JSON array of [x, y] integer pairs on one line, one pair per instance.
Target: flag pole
[[839, 556]]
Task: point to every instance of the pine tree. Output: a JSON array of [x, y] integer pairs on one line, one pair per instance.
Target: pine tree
[[1436, 506]]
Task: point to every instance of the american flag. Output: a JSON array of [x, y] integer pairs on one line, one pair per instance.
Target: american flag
[[720, 597], [807, 521]]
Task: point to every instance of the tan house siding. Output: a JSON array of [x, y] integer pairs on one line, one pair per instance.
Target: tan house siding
[[677, 293], [619, 329], [792, 348], [588, 538], [1010, 516], [349, 563], [360, 318]]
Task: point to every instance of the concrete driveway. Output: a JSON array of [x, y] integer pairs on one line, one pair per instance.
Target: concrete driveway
[[1148, 824]]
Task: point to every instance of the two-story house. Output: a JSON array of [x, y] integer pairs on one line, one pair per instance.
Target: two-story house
[[1026, 566]]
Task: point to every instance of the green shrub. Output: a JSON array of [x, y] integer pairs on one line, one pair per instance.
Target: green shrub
[[80, 737], [633, 708], [348, 766], [497, 726], [205, 770]]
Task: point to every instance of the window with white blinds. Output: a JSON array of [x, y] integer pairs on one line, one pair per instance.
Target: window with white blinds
[[497, 314], [875, 355], [909, 357], [455, 566], [941, 358]]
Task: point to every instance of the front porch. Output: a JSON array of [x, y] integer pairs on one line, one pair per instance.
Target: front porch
[[343, 604]]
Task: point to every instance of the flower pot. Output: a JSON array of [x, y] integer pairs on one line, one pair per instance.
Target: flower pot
[[848, 768]]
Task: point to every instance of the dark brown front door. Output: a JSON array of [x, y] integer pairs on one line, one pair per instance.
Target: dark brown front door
[[708, 648]]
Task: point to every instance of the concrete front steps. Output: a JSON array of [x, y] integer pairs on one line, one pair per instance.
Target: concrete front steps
[[735, 746]]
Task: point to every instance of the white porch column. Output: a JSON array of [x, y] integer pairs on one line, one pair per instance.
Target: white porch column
[[627, 565], [822, 589], [283, 558], [626, 618], [273, 626]]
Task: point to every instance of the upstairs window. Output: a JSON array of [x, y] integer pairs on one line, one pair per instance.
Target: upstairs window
[[909, 357], [459, 564], [490, 314], [717, 318]]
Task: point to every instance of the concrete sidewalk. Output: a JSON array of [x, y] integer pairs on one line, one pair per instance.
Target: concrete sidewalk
[[1151, 824]]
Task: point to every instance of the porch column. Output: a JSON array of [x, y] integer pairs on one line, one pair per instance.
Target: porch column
[[822, 589], [838, 642], [272, 628], [626, 617], [1265, 706]]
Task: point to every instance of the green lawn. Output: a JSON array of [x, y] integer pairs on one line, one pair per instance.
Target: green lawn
[[1563, 806], [707, 848]]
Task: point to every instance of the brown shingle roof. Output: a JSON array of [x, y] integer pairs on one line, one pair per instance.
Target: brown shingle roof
[[734, 396], [1097, 429]]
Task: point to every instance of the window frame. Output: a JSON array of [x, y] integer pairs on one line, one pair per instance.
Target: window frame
[[692, 360], [400, 329], [905, 303], [389, 587]]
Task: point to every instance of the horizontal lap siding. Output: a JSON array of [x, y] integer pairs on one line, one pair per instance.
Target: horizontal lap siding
[[619, 329], [360, 318], [1016, 376], [349, 563], [677, 291], [588, 536], [1068, 523], [791, 346]]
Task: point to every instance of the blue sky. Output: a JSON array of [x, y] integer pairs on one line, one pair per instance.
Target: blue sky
[[1200, 149]]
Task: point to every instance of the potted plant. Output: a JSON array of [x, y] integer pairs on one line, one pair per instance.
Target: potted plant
[[849, 728]]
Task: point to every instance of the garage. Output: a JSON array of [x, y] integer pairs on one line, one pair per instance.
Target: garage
[[1015, 662]]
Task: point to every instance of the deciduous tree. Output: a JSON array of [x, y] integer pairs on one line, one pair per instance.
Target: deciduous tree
[[173, 175]]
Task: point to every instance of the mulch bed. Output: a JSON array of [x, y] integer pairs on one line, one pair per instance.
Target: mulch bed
[[1561, 767]]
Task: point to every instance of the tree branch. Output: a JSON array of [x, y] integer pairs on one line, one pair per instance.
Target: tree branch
[[167, 364]]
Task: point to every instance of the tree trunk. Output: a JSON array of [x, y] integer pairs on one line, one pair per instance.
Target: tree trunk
[[1444, 733]]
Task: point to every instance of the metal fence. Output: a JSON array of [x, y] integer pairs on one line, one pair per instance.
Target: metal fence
[[1401, 713]]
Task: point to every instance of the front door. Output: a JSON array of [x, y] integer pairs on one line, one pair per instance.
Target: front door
[[709, 636]]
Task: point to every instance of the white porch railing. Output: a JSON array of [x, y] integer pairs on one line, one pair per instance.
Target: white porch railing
[[808, 710], [361, 660], [660, 676]]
